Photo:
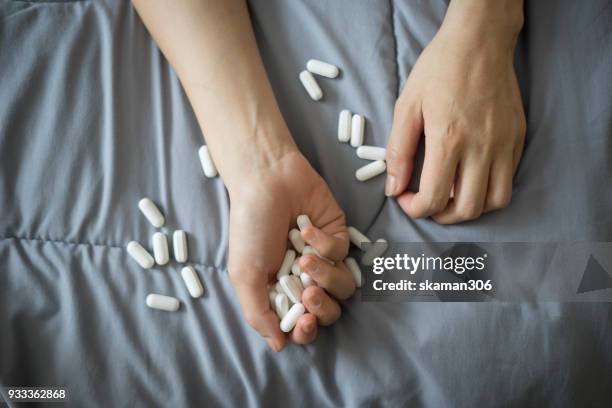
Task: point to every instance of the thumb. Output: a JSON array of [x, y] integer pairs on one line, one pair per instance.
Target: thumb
[[402, 147]]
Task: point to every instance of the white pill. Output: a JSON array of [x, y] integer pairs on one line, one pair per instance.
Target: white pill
[[140, 255], [357, 129], [278, 288], [310, 250], [291, 288], [296, 240], [376, 250], [307, 280], [371, 170], [357, 237], [290, 320], [150, 210], [210, 170], [194, 286], [311, 85], [353, 266], [371, 152], [281, 305], [285, 267], [344, 126], [161, 302], [303, 221], [160, 248], [295, 268], [179, 243], [272, 295], [322, 68]]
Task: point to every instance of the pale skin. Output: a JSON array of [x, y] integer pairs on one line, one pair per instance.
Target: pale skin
[[211, 46]]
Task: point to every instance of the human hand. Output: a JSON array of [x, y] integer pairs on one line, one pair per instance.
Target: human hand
[[463, 93], [264, 207]]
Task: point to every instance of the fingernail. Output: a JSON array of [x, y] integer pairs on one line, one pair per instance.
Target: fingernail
[[308, 327], [390, 185], [316, 301]]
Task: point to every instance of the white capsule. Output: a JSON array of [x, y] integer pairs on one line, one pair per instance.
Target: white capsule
[[281, 305], [290, 320], [303, 221], [193, 283], [285, 267], [150, 210], [291, 288], [357, 129], [344, 126], [179, 244], [370, 170], [307, 280], [377, 249], [371, 152], [278, 288], [353, 266], [295, 268], [296, 240], [357, 237], [161, 302], [311, 85], [272, 295], [310, 250], [322, 68], [210, 170], [160, 248], [140, 255]]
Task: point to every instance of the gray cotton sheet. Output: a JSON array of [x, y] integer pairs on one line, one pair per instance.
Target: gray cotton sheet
[[92, 118]]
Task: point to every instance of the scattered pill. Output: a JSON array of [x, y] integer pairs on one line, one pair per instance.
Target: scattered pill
[[353, 266], [281, 305], [371, 152], [291, 288], [140, 255], [322, 68], [285, 267], [357, 129], [210, 170], [307, 280], [179, 240], [357, 237], [344, 126], [290, 320], [295, 268], [161, 302], [311, 85], [160, 248], [370, 170], [190, 277], [296, 240], [377, 249], [303, 221], [150, 210]]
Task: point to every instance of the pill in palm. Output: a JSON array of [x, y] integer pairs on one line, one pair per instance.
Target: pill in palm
[[303, 221], [291, 288], [285, 267], [322, 68], [190, 277], [290, 320], [272, 295], [310, 84], [357, 130], [179, 244], [344, 126], [151, 212], [357, 237], [281, 305], [353, 266], [307, 280], [295, 268], [160, 248], [278, 288], [296, 240], [162, 302], [140, 255], [210, 170], [371, 152], [370, 170], [377, 249]]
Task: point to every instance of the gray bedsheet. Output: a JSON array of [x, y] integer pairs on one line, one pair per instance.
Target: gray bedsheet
[[92, 118]]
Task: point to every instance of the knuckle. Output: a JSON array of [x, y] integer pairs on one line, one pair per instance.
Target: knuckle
[[469, 211], [393, 155], [501, 200], [435, 203]]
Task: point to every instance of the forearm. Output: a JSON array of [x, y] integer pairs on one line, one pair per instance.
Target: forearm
[[212, 48]]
